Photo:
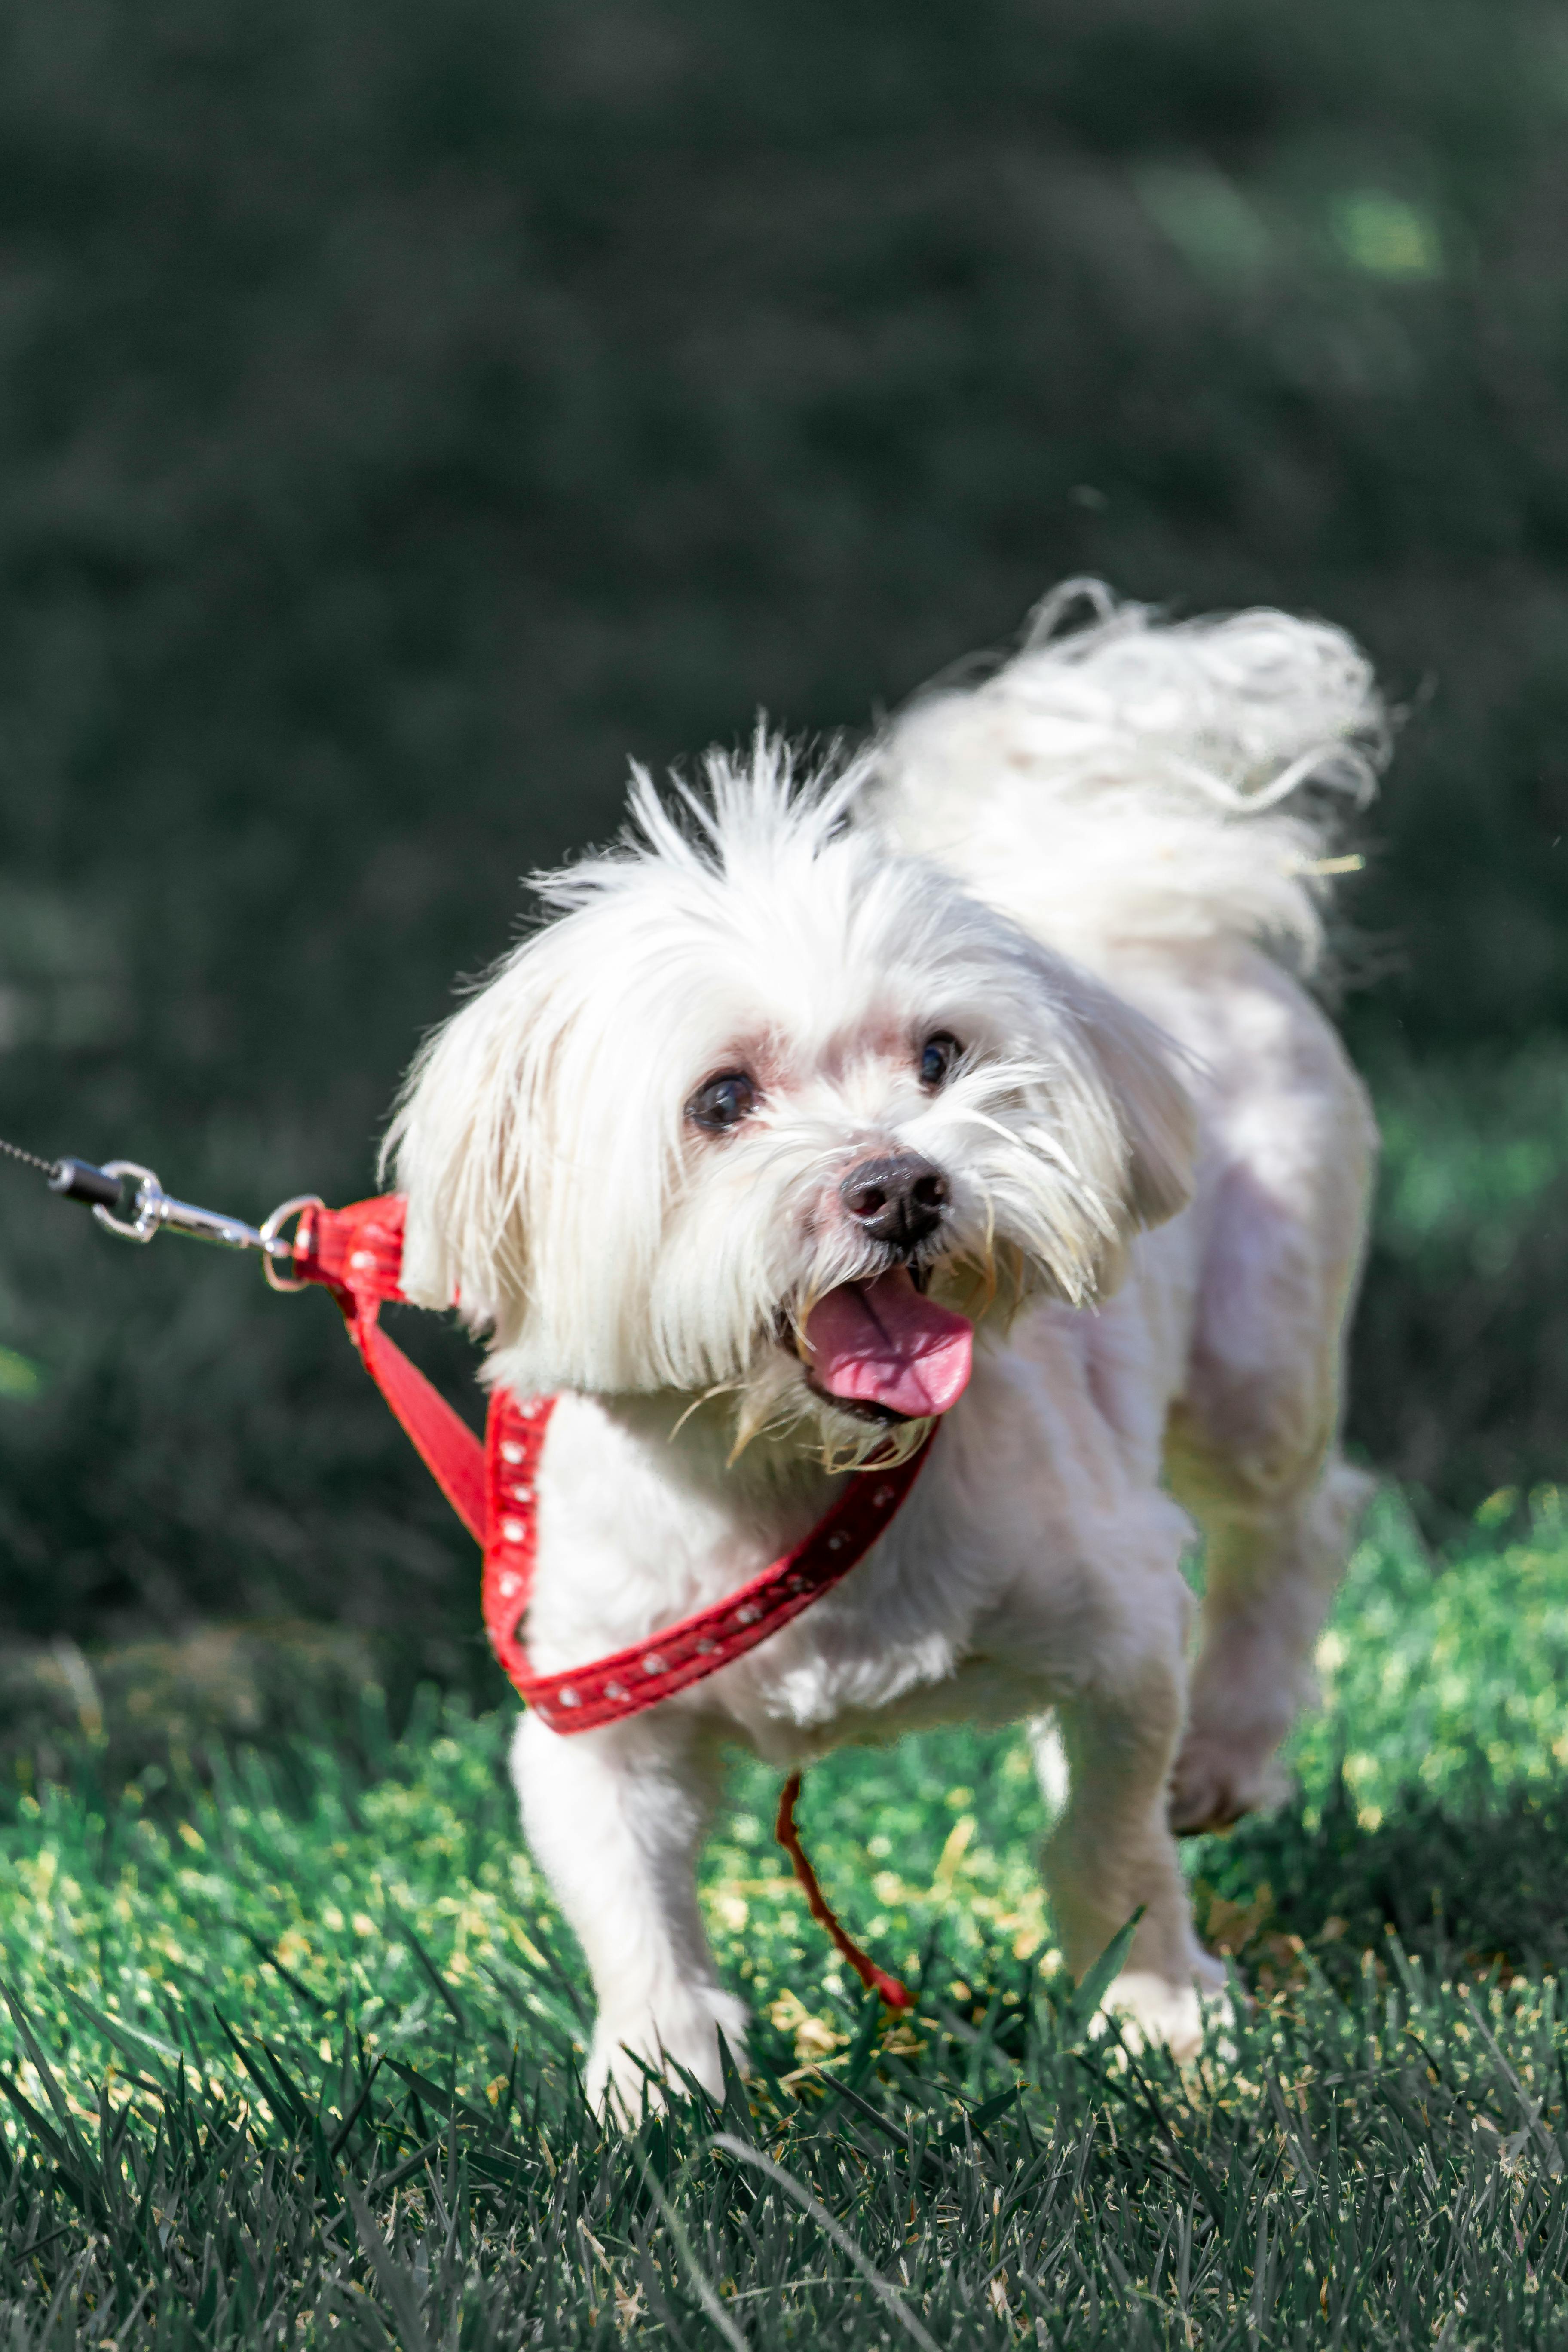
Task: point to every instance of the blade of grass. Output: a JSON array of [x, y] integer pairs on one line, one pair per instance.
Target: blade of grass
[[1098, 1979], [393, 2281], [438, 1984], [706, 2292], [835, 2230]]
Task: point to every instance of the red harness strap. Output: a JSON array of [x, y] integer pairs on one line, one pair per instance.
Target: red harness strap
[[631, 1679], [357, 1255]]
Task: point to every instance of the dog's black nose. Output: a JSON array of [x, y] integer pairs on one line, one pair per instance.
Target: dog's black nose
[[898, 1199]]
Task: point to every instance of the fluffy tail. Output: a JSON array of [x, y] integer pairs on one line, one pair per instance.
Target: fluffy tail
[[1129, 780]]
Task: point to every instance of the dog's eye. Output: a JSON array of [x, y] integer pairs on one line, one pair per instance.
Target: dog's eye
[[938, 1055], [723, 1102]]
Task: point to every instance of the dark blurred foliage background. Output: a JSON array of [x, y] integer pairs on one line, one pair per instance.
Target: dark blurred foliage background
[[408, 412]]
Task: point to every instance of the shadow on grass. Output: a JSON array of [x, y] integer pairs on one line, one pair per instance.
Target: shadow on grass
[[1467, 1882]]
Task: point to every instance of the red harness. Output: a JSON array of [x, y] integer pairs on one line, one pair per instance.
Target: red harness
[[357, 1255]]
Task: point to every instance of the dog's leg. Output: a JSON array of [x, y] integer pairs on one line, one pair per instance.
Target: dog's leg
[[1272, 1568], [1111, 1850], [1252, 1447], [615, 1819]]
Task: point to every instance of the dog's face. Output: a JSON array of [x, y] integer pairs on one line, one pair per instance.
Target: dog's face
[[770, 1109]]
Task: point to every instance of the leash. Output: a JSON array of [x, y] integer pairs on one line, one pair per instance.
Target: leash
[[357, 1255]]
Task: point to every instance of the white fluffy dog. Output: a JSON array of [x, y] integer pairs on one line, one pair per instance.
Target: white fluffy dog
[[996, 1022]]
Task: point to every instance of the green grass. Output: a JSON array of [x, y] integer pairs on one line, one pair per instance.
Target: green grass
[[293, 2048], [1460, 1348]]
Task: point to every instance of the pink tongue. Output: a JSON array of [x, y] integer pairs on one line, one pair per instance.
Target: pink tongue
[[882, 1342]]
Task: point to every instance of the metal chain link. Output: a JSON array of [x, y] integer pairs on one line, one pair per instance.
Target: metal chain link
[[29, 1158]]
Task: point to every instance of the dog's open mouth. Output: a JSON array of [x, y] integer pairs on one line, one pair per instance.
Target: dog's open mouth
[[885, 1352]]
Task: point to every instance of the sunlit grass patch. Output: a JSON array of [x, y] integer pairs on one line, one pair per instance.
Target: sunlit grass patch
[[1429, 1673]]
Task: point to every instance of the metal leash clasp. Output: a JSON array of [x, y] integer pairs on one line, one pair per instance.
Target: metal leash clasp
[[153, 1209], [143, 1221]]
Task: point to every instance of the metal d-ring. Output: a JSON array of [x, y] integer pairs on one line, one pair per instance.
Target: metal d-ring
[[146, 1217], [270, 1232]]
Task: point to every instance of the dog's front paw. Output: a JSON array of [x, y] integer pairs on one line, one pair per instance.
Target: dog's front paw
[[1155, 2014], [635, 2059], [1218, 1777]]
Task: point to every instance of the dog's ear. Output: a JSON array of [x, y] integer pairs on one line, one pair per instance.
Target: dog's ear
[[1130, 1123], [1153, 1108], [530, 1144], [1109, 1130], [458, 1143]]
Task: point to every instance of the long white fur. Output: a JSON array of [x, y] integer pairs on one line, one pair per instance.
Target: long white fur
[[525, 1101], [1151, 800], [1133, 782]]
